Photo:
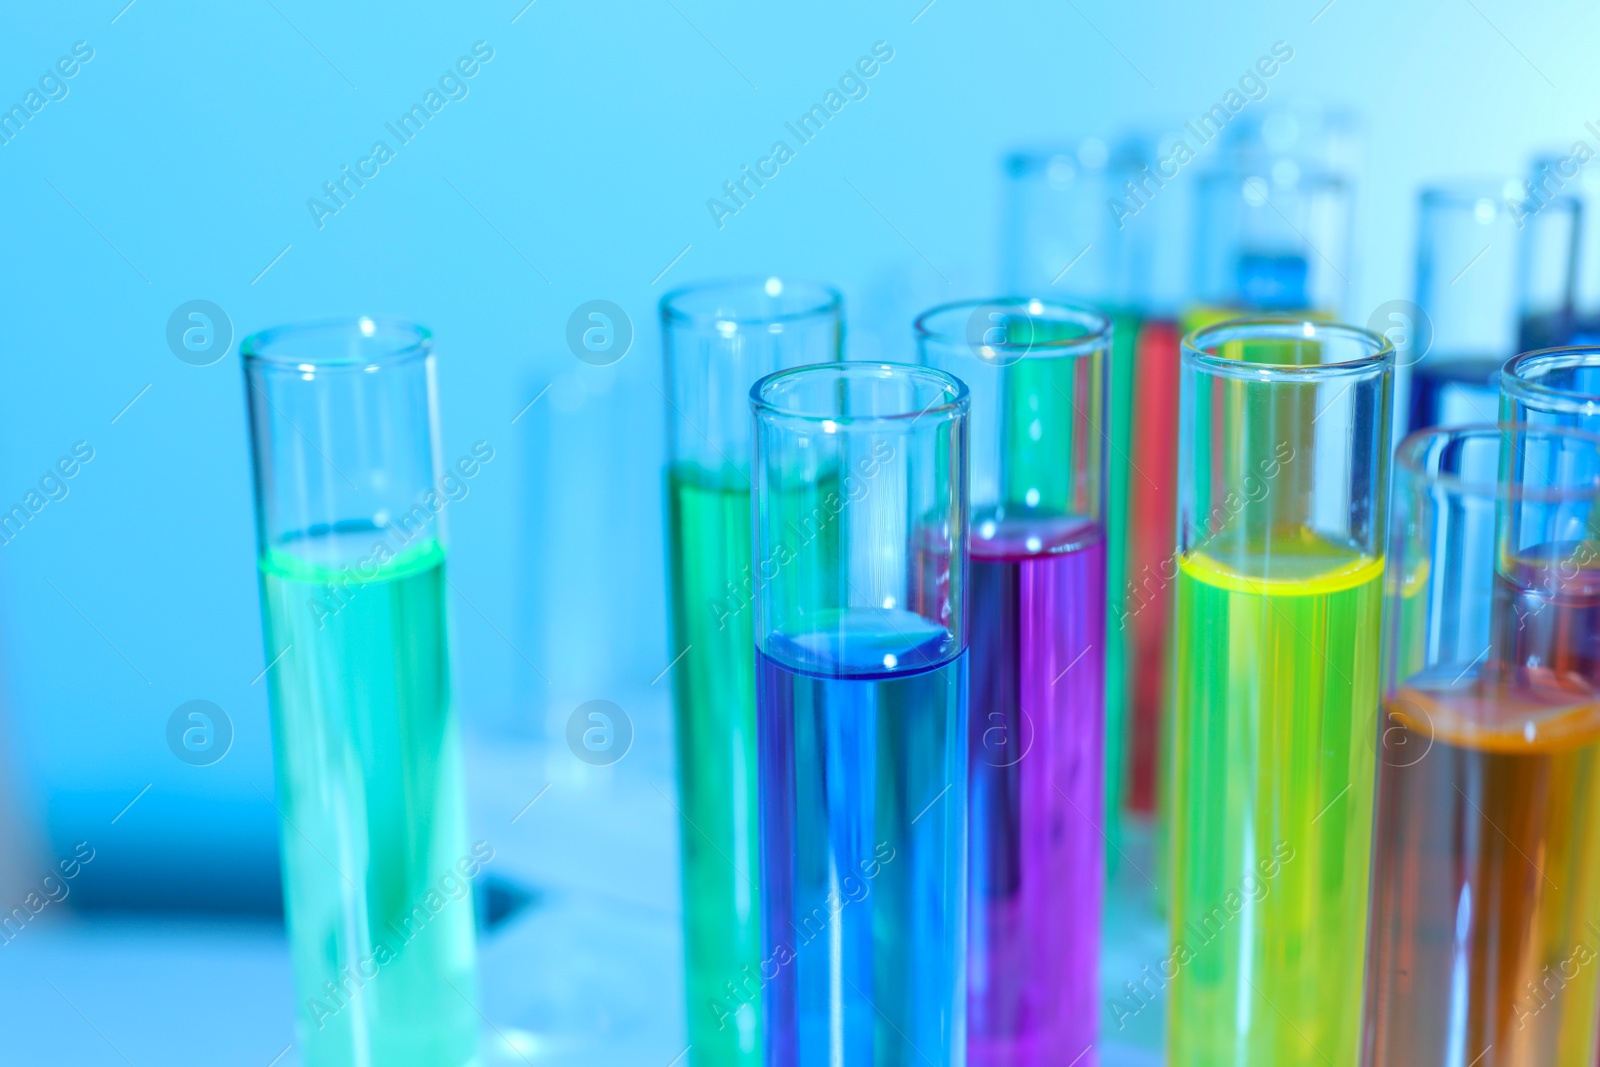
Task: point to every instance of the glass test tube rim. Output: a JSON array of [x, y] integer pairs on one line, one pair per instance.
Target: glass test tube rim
[[1462, 194], [956, 405], [412, 341], [824, 300], [1412, 454], [1124, 153], [1517, 383], [1549, 161], [1312, 175], [1197, 346], [1086, 344], [1465, 192]]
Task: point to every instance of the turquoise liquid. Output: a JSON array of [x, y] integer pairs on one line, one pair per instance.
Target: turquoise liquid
[[377, 868]]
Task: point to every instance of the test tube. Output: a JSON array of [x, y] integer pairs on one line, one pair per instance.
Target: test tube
[[1556, 174], [861, 699], [1273, 236], [1494, 275], [1081, 219], [719, 337], [1069, 220], [1283, 479], [1482, 939], [377, 867], [1557, 387], [1037, 374], [1466, 287], [1547, 272], [1330, 137]]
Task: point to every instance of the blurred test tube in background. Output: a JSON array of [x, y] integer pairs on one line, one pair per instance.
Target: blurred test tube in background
[[1083, 220], [1273, 235], [1274, 216], [1494, 277]]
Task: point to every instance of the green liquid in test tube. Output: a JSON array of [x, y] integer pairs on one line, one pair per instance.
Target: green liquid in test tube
[[1283, 475], [719, 339], [378, 868]]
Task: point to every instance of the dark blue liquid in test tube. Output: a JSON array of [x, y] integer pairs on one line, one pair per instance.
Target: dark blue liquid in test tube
[[861, 701]]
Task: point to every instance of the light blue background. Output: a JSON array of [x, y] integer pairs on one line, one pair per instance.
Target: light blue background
[[179, 166]]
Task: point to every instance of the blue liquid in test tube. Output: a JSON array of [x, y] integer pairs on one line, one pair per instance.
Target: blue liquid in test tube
[[861, 704]]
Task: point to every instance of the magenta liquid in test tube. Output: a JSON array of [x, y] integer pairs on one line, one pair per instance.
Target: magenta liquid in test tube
[[1037, 601]]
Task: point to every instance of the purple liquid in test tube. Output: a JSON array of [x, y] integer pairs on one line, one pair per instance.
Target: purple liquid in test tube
[[1037, 602], [1035, 873]]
